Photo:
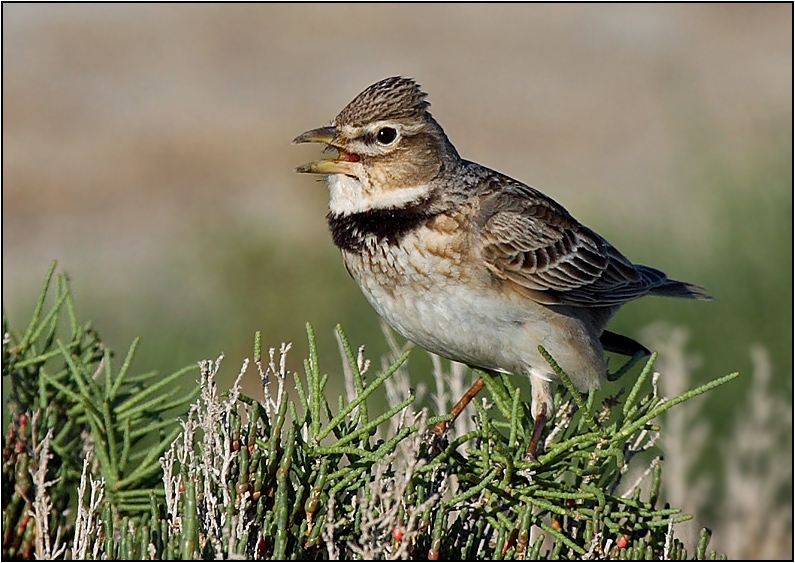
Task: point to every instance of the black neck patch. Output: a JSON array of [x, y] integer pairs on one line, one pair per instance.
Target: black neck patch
[[351, 232]]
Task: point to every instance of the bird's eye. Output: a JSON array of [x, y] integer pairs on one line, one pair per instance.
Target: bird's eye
[[386, 135]]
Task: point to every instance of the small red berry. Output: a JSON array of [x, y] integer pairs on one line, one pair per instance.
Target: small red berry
[[622, 542], [397, 533]]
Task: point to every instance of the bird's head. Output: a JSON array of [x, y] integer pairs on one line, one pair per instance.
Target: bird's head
[[389, 149]]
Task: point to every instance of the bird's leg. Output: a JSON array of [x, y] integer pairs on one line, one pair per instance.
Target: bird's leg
[[540, 421], [542, 408], [442, 427]]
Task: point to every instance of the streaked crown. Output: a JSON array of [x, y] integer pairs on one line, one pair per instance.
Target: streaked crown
[[394, 98]]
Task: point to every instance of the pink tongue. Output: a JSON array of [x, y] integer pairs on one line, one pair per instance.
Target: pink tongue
[[349, 156]]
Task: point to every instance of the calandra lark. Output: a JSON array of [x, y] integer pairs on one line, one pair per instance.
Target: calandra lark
[[469, 263]]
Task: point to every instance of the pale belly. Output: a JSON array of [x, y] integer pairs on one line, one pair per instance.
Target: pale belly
[[458, 324], [460, 315]]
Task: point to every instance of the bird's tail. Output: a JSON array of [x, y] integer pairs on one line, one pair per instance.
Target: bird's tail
[[673, 288], [661, 285]]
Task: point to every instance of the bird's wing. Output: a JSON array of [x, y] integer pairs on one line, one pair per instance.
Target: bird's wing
[[532, 241]]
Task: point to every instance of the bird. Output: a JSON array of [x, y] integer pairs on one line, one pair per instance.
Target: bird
[[467, 262]]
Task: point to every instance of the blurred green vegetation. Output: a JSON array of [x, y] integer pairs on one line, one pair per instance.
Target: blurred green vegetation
[[749, 270]]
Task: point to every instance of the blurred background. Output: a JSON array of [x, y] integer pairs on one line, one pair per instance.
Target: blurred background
[[147, 149]]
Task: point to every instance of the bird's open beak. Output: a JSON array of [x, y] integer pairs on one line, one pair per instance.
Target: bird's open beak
[[343, 164]]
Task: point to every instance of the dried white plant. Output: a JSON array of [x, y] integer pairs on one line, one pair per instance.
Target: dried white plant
[[87, 521], [389, 524], [42, 503]]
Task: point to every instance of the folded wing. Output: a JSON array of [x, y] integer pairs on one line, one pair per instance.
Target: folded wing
[[530, 240]]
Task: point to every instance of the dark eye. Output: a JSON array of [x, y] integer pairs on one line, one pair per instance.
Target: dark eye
[[386, 135]]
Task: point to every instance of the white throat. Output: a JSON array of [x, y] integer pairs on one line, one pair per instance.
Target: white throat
[[347, 196]]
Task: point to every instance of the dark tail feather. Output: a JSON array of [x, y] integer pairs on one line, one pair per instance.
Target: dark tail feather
[[623, 345], [659, 284], [673, 288]]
